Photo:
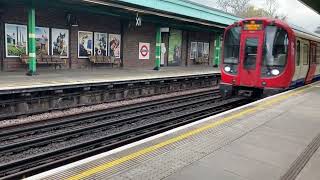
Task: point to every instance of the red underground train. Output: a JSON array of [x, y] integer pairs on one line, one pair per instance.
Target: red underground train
[[265, 56]]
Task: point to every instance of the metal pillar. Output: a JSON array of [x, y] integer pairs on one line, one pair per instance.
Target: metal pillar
[[32, 40], [158, 49], [217, 52]]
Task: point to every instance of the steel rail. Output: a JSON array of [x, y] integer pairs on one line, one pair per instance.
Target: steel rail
[[35, 141], [54, 122], [52, 159]]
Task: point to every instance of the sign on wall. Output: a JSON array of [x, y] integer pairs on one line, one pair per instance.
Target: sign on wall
[[16, 40], [206, 49], [200, 49], [193, 50], [175, 42], [60, 42], [114, 45], [42, 40], [100, 44], [144, 50], [85, 43]]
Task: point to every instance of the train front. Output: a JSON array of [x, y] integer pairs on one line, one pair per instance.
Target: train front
[[257, 57]]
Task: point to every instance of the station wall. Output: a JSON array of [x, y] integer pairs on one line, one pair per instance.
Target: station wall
[[131, 37]]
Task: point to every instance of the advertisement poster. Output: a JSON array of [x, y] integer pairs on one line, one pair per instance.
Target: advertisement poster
[[175, 42], [42, 40], [206, 49], [193, 50], [200, 49], [60, 42], [144, 50], [16, 40], [85, 41], [114, 45], [100, 44]]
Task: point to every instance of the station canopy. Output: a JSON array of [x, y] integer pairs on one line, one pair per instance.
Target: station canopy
[[314, 4], [179, 13]]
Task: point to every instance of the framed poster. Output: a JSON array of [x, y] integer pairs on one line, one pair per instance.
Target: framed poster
[[193, 50], [60, 42], [100, 44], [206, 49], [42, 40], [114, 45], [175, 42], [200, 49], [144, 50], [16, 40], [85, 40]]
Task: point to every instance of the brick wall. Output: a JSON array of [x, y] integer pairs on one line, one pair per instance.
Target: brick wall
[[54, 18], [132, 36], [206, 37]]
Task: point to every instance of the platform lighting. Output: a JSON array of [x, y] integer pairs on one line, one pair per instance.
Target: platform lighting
[[72, 20]]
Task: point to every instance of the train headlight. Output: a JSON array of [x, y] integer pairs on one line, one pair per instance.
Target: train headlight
[[275, 72], [227, 68]]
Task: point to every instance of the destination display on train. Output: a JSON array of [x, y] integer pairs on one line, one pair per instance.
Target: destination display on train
[[253, 25]]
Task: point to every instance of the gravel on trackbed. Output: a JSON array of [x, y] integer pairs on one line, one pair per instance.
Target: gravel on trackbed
[[60, 143], [86, 109]]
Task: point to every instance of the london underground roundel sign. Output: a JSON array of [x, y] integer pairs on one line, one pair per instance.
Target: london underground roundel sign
[[144, 50]]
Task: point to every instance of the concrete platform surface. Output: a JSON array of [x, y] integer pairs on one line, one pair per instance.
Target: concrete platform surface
[[266, 140], [18, 80]]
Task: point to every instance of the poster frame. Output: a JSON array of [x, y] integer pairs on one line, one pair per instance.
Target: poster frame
[[6, 40], [67, 38], [94, 42]]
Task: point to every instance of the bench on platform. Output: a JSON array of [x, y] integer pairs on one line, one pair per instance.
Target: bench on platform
[[45, 59], [104, 60], [201, 60]]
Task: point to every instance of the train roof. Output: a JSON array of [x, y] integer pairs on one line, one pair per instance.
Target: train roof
[[299, 31], [303, 33]]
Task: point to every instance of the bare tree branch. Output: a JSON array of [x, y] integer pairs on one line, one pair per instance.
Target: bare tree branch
[[242, 8]]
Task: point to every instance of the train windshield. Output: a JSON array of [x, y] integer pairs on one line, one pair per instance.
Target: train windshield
[[275, 49], [232, 46]]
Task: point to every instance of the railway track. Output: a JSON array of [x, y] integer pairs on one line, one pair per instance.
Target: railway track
[[37, 147]]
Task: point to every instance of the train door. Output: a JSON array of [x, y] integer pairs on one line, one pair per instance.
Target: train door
[[305, 60], [312, 64], [298, 65], [250, 58]]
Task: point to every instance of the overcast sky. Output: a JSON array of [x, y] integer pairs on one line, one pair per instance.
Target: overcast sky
[[296, 12]]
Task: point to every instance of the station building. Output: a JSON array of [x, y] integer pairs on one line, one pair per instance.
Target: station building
[[80, 34]]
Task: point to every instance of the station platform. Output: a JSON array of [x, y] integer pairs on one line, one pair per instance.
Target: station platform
[[274, 138], [18, 80]]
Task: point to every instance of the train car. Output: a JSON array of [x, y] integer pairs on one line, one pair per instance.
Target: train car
[[265, 56]]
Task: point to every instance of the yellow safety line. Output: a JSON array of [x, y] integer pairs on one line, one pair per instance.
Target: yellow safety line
[[150, 149]]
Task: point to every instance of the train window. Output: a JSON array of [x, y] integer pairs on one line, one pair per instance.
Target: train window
[[251, 51], [314, 60], [318, 53], [232, 46], [305, 54], [276, 46], [298, 53]]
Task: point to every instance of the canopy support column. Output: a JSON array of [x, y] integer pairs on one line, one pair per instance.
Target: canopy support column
[[158, 49], [32, 40]]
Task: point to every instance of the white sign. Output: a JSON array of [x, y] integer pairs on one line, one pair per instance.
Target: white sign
[[144, 50], [165, 30], [138, 20]]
